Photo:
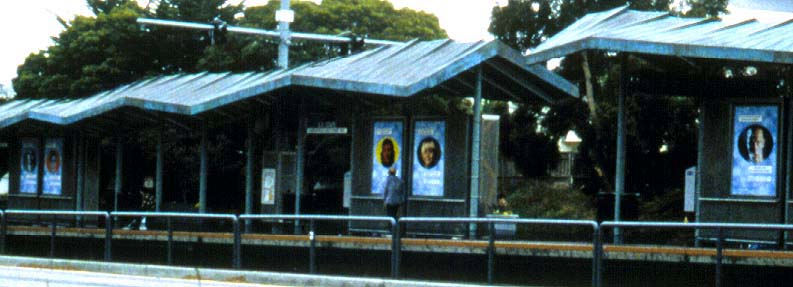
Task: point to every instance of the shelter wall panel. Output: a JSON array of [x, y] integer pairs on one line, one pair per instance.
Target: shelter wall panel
[[741, 212], [92, 176], [717, 156]]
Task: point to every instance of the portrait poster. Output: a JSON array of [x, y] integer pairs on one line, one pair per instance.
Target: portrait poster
[[754, 153], [29, 166], [386, 152], [268, 186], [429, 145], [53, 166]]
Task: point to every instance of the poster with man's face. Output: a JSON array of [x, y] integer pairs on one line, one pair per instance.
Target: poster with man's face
[[53, 166], [29, 166], [429, 139], [754, 156], [386, 152]]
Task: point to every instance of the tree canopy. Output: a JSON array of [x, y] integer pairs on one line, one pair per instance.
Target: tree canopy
[[98, 53], [660, 144]]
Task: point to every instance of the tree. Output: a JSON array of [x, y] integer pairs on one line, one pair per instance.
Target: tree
[[665, 122], [111, 49]]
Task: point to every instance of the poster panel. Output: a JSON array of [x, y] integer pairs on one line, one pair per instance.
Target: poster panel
[[429, 143], [53, 166], [386, 152], [754, 156], [268, 186], [29, 166]]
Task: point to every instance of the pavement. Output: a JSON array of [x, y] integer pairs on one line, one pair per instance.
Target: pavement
[[35, 272]]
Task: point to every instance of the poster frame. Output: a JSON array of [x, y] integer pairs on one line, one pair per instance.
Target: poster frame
[[400, 161], [778, 147], [413, 163]]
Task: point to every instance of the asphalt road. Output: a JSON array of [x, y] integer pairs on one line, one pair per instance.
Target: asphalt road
[[37, 277]]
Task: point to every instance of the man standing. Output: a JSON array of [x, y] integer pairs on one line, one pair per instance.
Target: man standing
[[394, 194]]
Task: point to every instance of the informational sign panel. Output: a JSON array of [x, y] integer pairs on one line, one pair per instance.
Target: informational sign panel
[[429, 143], [29, 166], [689, 189], [268, 186], [53, 166], [754, 155], [386, 152]]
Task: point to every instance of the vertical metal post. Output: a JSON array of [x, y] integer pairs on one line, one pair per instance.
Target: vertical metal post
[[700, 163], [283, 45], [158, 174], [237, 243], [119, 171], [170, 241], [491, 249], [80, 157], [312, 251], [301, 129], [52, 237], [719, 255], [475, 141], [108, 237], [788, 177], [249, 175], [3, 230], [352, 171], [396, 248], [202, 180], [619, 178], [597, 255]]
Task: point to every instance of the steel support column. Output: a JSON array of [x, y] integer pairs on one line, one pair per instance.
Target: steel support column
[[475, 144], [202, 180], [119, 171], [249, 157], [301, 129], [700, 162], [619, 178], [158, 174]]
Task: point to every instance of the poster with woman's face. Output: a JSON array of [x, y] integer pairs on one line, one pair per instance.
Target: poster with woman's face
[[754, 156], [29, 166], [386, 152], [53, 166], [429, 139]]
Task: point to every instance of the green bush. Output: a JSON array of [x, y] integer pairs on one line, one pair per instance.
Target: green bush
[[544, 199]]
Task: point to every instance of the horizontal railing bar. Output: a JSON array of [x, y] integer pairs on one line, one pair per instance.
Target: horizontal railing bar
[[317, 217], [699, 225], [590, 223], [174, 215], [55, 212]]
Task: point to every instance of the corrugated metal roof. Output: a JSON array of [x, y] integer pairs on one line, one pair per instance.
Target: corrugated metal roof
[[659, 33], [398, 70]]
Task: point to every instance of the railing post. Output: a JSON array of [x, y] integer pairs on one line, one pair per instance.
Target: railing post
[[597, 252], [600, 253], [719, 249], [312, 253], [237, 243], [396, 248], [52, 237], [170, 241], [491, 247], [108, 236], [3, 230]]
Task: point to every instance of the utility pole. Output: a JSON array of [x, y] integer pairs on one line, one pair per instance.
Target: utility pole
[[284, 16]]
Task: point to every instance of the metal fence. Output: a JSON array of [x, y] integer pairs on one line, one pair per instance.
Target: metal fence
[[598, 231]]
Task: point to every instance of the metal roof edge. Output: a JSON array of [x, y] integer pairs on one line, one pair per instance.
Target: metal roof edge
[[349, 86], [688, 50], [245, 93], [103, 108], [558, 82], [472, 57]]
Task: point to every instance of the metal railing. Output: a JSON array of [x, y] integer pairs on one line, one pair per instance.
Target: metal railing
[[491, 238], [396, 239], [719, 227]]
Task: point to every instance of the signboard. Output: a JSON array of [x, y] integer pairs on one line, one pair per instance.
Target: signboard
[[429, 143], [268, 186], [29, 166], [754, 155], [386, 152], [689, 189], [326, 128], [53, 166]]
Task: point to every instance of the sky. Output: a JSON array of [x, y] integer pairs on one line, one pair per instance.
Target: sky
[[28, 25]]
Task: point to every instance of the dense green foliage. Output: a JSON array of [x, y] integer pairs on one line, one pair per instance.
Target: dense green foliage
[[661, 131], [99, 53]]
